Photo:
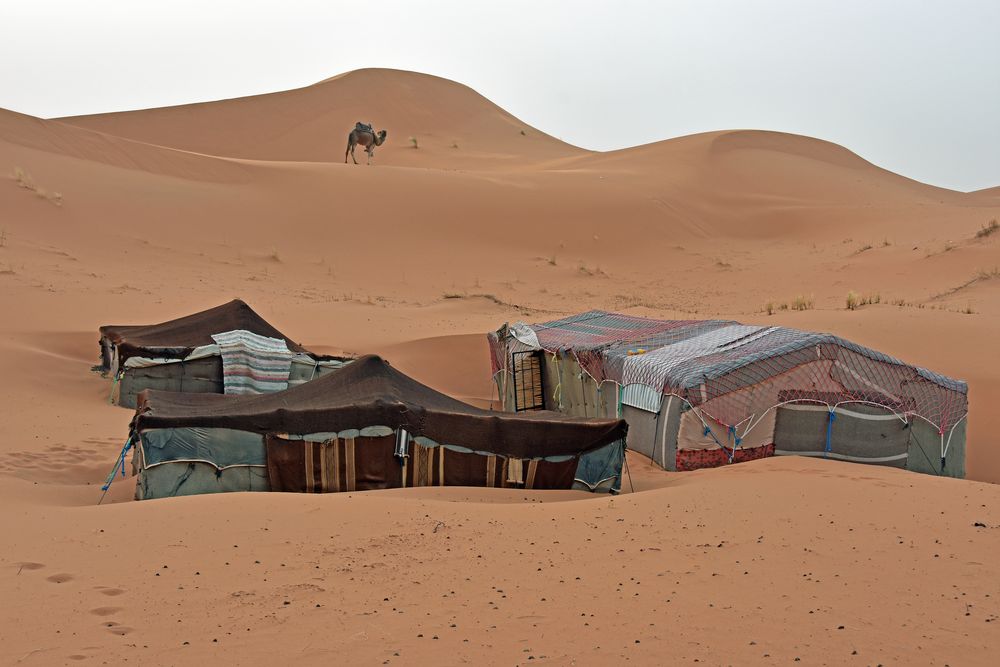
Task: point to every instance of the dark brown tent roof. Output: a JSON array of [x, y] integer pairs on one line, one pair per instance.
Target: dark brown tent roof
[[369, 392], [177, 338]]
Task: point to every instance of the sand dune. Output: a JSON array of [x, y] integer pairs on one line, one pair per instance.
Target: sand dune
[[166, 211], [67, 141], [311, 124], [989, 192]]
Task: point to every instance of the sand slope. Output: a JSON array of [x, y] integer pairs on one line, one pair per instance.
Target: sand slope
[[311, 124], [793, 565], [166, 211]]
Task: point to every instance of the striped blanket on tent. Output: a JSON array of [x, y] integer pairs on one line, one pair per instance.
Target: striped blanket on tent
[[253, 364]]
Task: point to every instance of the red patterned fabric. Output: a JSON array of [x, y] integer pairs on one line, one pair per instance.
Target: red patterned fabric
[[693, 459]]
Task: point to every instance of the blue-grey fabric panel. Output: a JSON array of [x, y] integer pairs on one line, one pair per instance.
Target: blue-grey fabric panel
[[304, 372], [601, 469], [925, 450], [859, 433], [219, 446], [202, 376], [192, 478], [642, 430], [955, 456], [654, 434]]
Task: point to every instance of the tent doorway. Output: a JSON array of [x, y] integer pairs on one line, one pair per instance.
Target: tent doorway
[[528, 387]]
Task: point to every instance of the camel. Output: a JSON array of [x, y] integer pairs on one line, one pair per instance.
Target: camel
[[365, 136]]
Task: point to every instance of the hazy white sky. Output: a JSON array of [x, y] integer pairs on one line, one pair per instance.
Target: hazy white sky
[[912, 86]]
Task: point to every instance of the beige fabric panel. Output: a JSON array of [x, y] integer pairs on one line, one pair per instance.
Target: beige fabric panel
[[691, 434], [573, 396]]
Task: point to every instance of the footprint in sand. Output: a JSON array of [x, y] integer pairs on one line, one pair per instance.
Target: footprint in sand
[[117, 629], [105, 611], [60, 578], [110, 591], [28, 566], [77, 656]]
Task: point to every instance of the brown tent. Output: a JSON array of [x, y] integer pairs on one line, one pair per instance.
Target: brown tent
[[181, 354], [176, 339], [364, 426]]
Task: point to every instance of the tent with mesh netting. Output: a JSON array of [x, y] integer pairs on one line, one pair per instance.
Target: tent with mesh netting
[[702, 393]]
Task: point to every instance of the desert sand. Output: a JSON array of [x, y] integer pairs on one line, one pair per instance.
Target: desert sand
[[147, 215]]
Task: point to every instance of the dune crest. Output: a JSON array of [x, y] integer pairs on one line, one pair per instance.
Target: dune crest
[[311, 124]]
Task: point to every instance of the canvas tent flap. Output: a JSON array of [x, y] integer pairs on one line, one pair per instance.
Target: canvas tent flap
[[219, 447], [200, 352], [188, 478], [602, 468], [525, 334], [370, 392]]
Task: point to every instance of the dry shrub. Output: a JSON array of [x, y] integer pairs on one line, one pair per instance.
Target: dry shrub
[[988, 274], [587, 271], [24, 180], [988, 229]]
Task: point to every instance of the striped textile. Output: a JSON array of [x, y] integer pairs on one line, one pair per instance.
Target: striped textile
[[253, 364], [657, 369]]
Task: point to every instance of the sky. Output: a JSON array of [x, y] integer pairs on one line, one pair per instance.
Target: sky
[[913, 86]]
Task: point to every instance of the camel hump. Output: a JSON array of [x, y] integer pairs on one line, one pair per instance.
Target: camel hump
[[362, 127]]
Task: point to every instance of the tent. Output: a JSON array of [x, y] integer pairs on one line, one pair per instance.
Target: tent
[[364, 426], [189, 354], [701, 393]]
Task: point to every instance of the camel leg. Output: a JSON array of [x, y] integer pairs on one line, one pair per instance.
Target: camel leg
[[352, 154], [347, 152]]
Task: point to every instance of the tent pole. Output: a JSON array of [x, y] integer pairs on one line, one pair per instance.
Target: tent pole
[[119, 463], [628, 473]]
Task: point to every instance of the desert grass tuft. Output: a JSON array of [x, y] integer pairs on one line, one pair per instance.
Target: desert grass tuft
[[855, 300], [802, 303], [988, 229]]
